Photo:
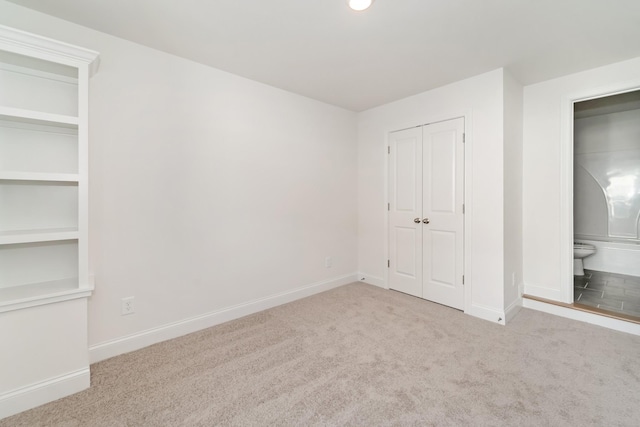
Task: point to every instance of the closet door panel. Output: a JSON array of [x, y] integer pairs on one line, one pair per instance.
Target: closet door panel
[[405, 234], [443, 186]]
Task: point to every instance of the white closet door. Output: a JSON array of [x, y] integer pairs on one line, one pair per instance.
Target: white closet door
[[405, 208], [426, 222], [443, 191]]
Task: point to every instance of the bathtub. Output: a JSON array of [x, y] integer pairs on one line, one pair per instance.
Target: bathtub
[[613, 257]]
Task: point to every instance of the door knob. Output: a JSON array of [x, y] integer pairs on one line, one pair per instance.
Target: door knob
[[426, 220], [416, 220]]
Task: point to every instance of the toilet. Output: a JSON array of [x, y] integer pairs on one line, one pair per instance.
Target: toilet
[[581, 251]]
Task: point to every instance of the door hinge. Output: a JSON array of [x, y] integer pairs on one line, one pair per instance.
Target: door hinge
[[388, 206], [388, 263], [388, 149], [464, 138], [463, 208], [463, 279]]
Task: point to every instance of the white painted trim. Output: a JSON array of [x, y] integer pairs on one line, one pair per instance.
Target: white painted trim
[[169, 331], [486, 313], [385, 208], [34, 301], [583, 316], [372, 280], [37, 73], [38, 117], [24, 43], [468, 215], [40, 176], [28, 397], [30, 126], [565, 294], [512, 310]]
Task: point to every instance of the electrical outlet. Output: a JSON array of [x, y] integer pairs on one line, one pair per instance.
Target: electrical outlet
[[128, 306], [513, 279], [328, 262]]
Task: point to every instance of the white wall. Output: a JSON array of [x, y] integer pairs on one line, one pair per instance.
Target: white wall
[[546, 227], [207, 191], [481, 99], [512, 193]]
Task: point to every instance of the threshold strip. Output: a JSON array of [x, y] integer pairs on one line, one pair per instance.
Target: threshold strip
[[587, 309]]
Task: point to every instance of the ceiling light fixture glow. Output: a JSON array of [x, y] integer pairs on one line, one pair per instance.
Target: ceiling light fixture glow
[[360, 4]]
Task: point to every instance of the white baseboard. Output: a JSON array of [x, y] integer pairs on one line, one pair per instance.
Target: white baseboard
[[143, 339], [583, 316], [487, 313], [371, 280], [512, 310], [24, 398]]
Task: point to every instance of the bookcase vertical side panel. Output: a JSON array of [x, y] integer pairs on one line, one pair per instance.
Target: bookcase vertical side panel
[[83, 173]]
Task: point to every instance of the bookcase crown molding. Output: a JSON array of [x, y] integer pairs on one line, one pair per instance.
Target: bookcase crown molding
[[47, 49]]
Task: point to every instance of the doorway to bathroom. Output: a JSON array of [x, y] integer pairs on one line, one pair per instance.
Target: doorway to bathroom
[[606, 204]]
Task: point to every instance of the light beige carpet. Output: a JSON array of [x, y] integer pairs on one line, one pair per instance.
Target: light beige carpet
[[362, 356]]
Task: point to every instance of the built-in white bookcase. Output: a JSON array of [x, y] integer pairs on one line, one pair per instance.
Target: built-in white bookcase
[[43, 170], [44, 267]]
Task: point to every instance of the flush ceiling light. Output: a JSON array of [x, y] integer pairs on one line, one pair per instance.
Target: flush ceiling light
[[360, 4]]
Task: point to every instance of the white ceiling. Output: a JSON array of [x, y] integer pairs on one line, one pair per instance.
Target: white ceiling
[[358, 60]]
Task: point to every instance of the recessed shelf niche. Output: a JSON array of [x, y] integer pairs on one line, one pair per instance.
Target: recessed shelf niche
[[37, 148], [30, 83]]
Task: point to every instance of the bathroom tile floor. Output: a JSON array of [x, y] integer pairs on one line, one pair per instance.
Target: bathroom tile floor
[[608, 291]]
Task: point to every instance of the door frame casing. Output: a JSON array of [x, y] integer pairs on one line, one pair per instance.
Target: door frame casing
[[566, 176], [468, 216]]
